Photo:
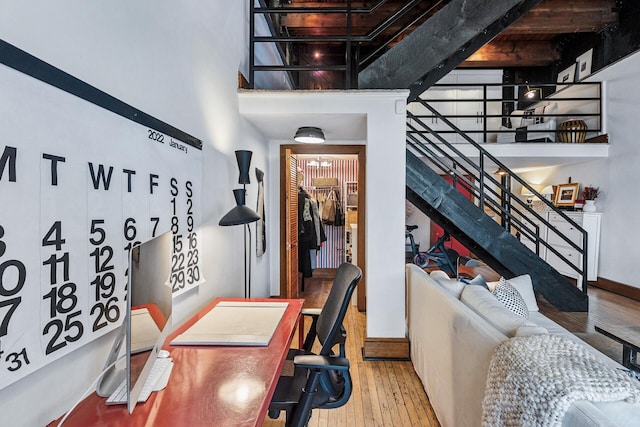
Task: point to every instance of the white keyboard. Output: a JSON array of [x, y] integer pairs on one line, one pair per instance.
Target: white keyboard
[[161, 368]]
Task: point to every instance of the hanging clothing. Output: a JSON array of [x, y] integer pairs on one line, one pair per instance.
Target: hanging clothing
[[321, 237], [306, 233], [313, 255]]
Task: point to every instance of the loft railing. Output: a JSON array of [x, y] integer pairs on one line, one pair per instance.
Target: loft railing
[[501, 113], [492, 195], [295, 64]]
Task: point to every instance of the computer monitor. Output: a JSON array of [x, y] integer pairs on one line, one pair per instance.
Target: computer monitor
[[147, 320]]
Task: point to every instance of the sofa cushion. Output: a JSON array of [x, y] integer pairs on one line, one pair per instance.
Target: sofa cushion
[[526, 330], [493, 311], [510, 297], [525, 289], [453, 286]]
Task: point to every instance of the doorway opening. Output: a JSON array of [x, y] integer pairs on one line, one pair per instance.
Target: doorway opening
[[333, 177]]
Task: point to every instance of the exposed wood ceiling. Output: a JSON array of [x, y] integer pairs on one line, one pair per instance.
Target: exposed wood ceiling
[[533, 40]]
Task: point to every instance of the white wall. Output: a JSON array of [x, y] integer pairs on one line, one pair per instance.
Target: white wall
[[385, 174], [177, 61], [616, 176], [414, 216]]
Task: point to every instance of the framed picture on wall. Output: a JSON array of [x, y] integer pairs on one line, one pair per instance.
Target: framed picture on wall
[[567, 194], [566, 76], [584, 64]]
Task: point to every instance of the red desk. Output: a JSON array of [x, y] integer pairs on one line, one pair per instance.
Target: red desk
[[209, 385]]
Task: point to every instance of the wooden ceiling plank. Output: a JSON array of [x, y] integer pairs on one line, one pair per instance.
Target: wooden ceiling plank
[[575, 6], [561, 16], [509, 53], [555, 23], [299, 21]]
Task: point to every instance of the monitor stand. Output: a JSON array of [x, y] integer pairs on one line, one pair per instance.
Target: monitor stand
[[112, 375]]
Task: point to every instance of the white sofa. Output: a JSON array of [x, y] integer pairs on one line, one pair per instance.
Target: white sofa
[[533, 125], [452, 346]]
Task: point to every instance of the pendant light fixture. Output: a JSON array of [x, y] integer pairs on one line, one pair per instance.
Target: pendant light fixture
[[309, 135]]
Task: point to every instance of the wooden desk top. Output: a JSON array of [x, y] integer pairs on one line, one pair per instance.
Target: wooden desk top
[[209, 385]]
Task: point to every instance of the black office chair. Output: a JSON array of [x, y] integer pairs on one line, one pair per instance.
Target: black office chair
[[319, 380]]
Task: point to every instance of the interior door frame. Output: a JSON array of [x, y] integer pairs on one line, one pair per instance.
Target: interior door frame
[[327, 149]]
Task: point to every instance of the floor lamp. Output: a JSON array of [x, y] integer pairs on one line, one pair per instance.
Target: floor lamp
[[242, 215]]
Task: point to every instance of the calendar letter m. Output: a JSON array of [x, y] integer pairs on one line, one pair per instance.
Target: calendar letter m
[[8, 158]]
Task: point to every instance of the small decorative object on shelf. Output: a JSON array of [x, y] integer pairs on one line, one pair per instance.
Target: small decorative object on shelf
[[573, 131], [590, 194]]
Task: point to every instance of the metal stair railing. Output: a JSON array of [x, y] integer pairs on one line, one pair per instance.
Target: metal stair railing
[[491, 195], [352, 42], [577, 101]]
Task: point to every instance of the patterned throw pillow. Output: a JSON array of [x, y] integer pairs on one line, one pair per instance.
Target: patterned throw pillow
[[511, 298]]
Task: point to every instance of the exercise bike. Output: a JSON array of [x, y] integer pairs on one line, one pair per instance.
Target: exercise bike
[[437, 256]]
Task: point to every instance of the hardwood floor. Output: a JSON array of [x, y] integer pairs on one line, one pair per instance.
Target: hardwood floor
[[385, 393], [604, 308], [389, 393]]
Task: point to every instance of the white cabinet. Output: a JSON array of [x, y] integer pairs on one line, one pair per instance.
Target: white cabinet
[[535, 226], [461, 97], [589, 221]]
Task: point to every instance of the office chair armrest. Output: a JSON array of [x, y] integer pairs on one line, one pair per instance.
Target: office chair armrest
[[323, 363], [315, 312]]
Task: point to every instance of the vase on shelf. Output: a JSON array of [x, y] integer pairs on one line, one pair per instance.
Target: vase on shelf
[[589, 206]]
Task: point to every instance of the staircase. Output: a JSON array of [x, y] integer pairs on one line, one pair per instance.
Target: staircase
[[430, 156], [445, 40]]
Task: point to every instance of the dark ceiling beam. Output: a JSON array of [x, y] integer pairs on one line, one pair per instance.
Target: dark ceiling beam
[[443, 42], [365, 27], [498, 54], [548, 17]]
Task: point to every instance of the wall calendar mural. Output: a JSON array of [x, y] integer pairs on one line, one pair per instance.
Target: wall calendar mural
[[83, 178]]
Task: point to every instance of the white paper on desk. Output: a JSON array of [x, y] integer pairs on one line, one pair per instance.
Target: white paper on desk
[[235, 323]]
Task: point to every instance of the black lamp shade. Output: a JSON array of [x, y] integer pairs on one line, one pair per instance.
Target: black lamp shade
[[244, 161], [240, 214]]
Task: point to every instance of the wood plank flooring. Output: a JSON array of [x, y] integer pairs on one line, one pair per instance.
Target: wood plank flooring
[[389, 393], [605, 308], [385, 393]]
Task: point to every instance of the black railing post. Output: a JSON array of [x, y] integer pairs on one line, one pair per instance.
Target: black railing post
[[505, 200], [348, 53], [585, 273], [481, 167], [484, 108], [251, 45]]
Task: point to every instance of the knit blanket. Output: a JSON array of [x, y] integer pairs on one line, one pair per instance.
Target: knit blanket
[[532, 381]]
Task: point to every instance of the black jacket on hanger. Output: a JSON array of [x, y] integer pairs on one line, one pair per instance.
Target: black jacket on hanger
[[307, 238]]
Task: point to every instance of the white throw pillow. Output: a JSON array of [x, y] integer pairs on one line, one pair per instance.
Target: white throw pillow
[[493, 311], [525, 289], [453, 286], [510, 297]]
